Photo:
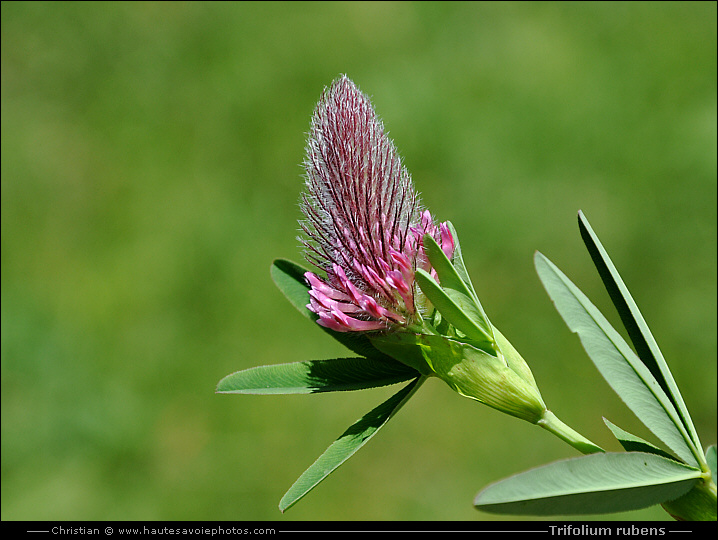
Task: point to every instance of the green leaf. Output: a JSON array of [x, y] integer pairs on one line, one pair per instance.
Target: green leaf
[[313, 376], [463, 316], [347, 444], [458, 262], [616, 361], [288, 276], [711, 460], [455, 288], [633, 443], [638, 331], [593, 484]]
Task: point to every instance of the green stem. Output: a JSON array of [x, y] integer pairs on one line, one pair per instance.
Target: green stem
[[550, 422], [699, 504]]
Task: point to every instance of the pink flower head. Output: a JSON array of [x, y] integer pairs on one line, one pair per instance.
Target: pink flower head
[[364, 222]]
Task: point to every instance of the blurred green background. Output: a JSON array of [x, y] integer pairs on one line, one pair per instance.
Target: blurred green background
[[151, 172]]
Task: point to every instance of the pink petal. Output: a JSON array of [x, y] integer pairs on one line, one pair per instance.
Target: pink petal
[[328, 303], [447, 241], [318, 285], [355, 324], [327, 321]]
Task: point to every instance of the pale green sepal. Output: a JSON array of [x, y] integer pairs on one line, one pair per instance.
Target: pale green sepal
[[633, 443], [312, 376], [457, 308], [513, 359], [619, 365], [455, 286], [711, 460], [594, 484], [470, 371], [405, 348], [347, 444]]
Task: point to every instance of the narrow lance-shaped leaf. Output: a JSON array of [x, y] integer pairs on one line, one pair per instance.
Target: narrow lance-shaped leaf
[[711, 460], [456, 288], [633, 443], [458, 261], [593, 484], [288, 276], [638, 331], [347, 444], [618, 364], [314, 376], [462, 317]]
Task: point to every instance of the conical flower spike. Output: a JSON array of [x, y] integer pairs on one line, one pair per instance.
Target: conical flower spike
[[388, 266], [364, 223]]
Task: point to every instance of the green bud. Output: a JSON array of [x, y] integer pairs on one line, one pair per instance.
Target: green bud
[[502, 380]]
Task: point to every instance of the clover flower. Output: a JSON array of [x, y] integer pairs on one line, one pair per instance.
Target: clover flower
[[392, 287], [364, 222], [389, 266]]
